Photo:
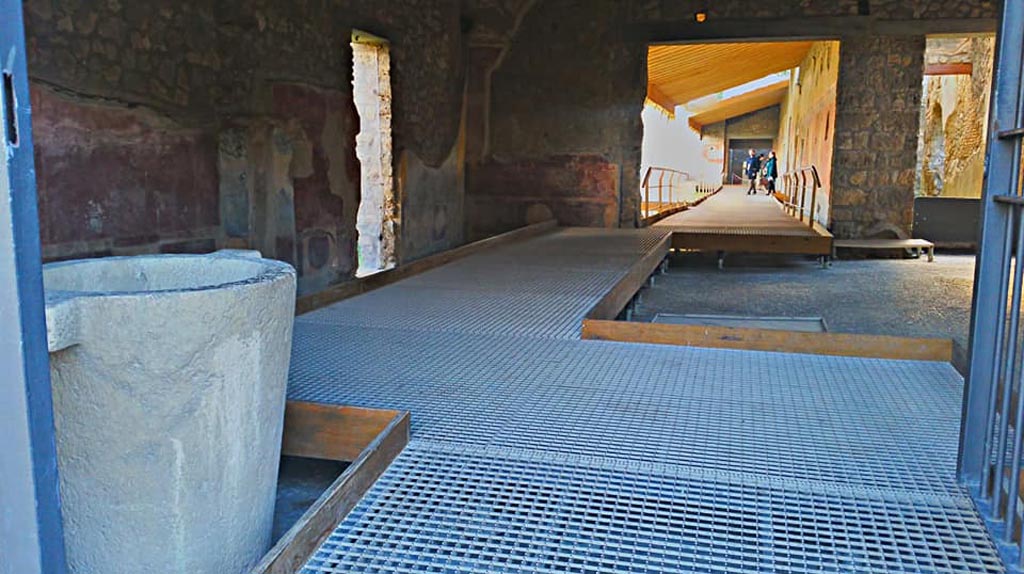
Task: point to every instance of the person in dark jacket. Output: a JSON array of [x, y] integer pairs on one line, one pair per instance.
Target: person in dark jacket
[[771, 171], [751, 169]]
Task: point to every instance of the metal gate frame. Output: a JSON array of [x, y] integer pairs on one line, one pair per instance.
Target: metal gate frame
[[31, 533], [990, 442]]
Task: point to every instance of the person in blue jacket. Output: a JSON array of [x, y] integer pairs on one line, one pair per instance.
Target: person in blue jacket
[[751, 169]]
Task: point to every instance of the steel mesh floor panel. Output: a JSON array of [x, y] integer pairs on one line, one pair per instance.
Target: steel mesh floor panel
[[505, 279], [462, 311], [534, 451], [443, 508], [790, 416]]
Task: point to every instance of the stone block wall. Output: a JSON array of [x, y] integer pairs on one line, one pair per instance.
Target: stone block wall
[[876, 125], [755, 125], [194, 125], [570, 87]]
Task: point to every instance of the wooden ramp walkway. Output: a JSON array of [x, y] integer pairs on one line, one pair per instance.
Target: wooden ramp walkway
[[732, 221], [535, 451]]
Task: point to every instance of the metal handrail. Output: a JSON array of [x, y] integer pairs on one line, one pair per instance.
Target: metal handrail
[[667, 186], [795, 187]]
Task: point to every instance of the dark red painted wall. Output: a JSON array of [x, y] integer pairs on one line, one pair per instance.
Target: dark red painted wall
[[125, 175], [575, 190]]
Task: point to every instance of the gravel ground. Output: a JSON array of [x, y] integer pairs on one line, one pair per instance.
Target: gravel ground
[[905, 297]]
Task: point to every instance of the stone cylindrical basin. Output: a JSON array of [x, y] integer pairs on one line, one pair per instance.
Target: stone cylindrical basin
[[169, 376]]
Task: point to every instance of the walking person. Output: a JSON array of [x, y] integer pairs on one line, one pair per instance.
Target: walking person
[[771, 171], [751, 168]]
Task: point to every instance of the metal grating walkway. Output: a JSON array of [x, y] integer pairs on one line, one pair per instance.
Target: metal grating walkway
[[535, 451]]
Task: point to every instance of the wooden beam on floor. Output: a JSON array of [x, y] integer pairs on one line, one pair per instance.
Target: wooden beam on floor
[[616, 299], [331, 432], [838, 344], [292, 551], [361, 285]]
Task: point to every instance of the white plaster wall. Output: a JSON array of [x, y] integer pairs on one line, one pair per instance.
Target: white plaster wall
[[169, 377], [371, 89], [670, 142]]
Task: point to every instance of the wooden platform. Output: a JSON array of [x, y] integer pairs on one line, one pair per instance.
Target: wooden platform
[[732, 221], [916, 245]]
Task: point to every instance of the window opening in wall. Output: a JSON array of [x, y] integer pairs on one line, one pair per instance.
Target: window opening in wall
[[377, 213]]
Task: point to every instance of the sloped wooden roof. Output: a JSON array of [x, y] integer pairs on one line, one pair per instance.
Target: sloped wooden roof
[[738, 105], [677, 74]]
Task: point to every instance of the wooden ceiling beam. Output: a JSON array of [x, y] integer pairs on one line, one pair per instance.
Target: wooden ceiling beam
[[749, 102], [687, 72], [658, 97], [949, 69]]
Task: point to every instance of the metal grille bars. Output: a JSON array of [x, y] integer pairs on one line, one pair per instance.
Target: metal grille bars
[[993, 418]]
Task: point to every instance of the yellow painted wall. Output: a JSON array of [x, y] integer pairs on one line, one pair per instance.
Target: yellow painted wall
[[954, 120], [807, 121]]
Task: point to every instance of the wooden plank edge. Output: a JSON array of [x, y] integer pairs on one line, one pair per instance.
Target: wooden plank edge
[[616, 299], [293, 550], [737, 243], [331, 432], [835, 344], [362, 285], [652, 219]]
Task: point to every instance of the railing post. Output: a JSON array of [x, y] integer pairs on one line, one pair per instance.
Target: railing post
[[661, 180], [791, 194], [647, 195], [814, 195], [803, 193]]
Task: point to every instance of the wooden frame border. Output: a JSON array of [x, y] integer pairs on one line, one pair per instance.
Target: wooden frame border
[[362, 285], [837, 344], [615, 300], [333, 432]]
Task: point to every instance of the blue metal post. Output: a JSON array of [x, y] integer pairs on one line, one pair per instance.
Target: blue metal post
[[31, 534]]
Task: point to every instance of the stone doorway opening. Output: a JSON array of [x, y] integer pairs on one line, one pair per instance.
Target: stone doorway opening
[[951, 139], [708, 104], [377, 214]]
